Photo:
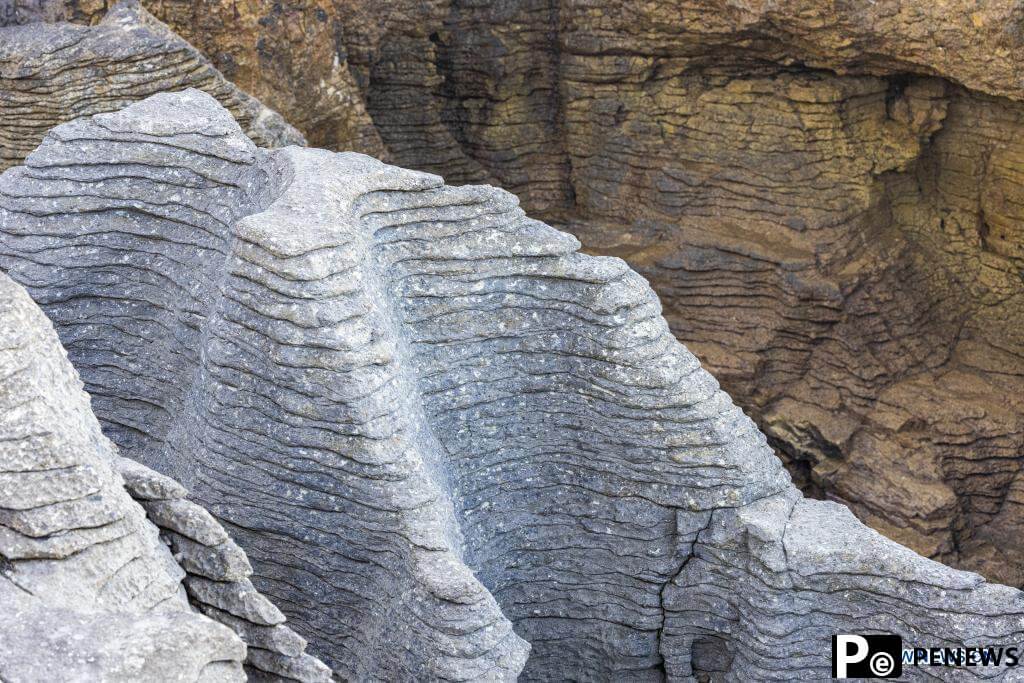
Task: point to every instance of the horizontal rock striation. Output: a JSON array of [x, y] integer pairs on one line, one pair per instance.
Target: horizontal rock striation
[[823, 196], [429, 421], [89, 590], [832, 228], [826, 246], [54, 72], [217, 575]]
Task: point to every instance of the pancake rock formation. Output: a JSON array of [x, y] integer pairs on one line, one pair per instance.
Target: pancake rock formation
[[54, 72], [89, 588], [452, 446], [826, 197]]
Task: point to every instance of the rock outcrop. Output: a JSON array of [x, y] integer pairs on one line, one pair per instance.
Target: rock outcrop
[[54, 72], [824, 195], [430, 420], [216, 578], [89, 590]]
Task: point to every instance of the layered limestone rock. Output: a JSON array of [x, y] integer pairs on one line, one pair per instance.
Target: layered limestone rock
[[824, 195], [52, 73], [834, 235], [290, 55], [836, 268], [89, 591], [430, 420], [216, 578]]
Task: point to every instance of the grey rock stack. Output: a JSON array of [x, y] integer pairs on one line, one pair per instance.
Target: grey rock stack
[[88, 589], [451, 446], [217, 575], [54, 72]]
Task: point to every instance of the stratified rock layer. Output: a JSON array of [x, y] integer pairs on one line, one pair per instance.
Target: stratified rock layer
[[52, 73], [824, 195], [428, 419], [833, 231], [216, 578], [89, 591]]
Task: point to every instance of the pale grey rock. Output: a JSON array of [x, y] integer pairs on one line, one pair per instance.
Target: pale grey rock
[[439, 432], [83, 647], [302, 668], [217, 581], [239, 599], [217, 574], [188, 519], [145, 484], [88, 590], [279, 638], [57, 485], [222, 562]]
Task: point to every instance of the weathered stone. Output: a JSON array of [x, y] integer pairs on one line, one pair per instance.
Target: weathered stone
[[303, 668], [188, 519], [279, 638], [44, 410], [52, 73], [289, 56], [88, 590], [77, 604], [146, 484], [222, 562], [429, 419], [63, 645], [220, 572], [240, 599], [824, 196]]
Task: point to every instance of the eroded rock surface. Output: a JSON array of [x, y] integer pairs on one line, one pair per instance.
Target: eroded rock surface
[[430, 420], [53, 72], [89, 589], [833, 231], [216, 578], [824, 195]]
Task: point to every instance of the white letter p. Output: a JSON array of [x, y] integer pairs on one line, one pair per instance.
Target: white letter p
[[844, 657]]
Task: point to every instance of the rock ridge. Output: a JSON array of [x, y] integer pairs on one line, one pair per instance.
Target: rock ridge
[[451, 445], [91, 591]]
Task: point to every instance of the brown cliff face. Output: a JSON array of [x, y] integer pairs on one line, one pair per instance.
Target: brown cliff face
[[827, 196]]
